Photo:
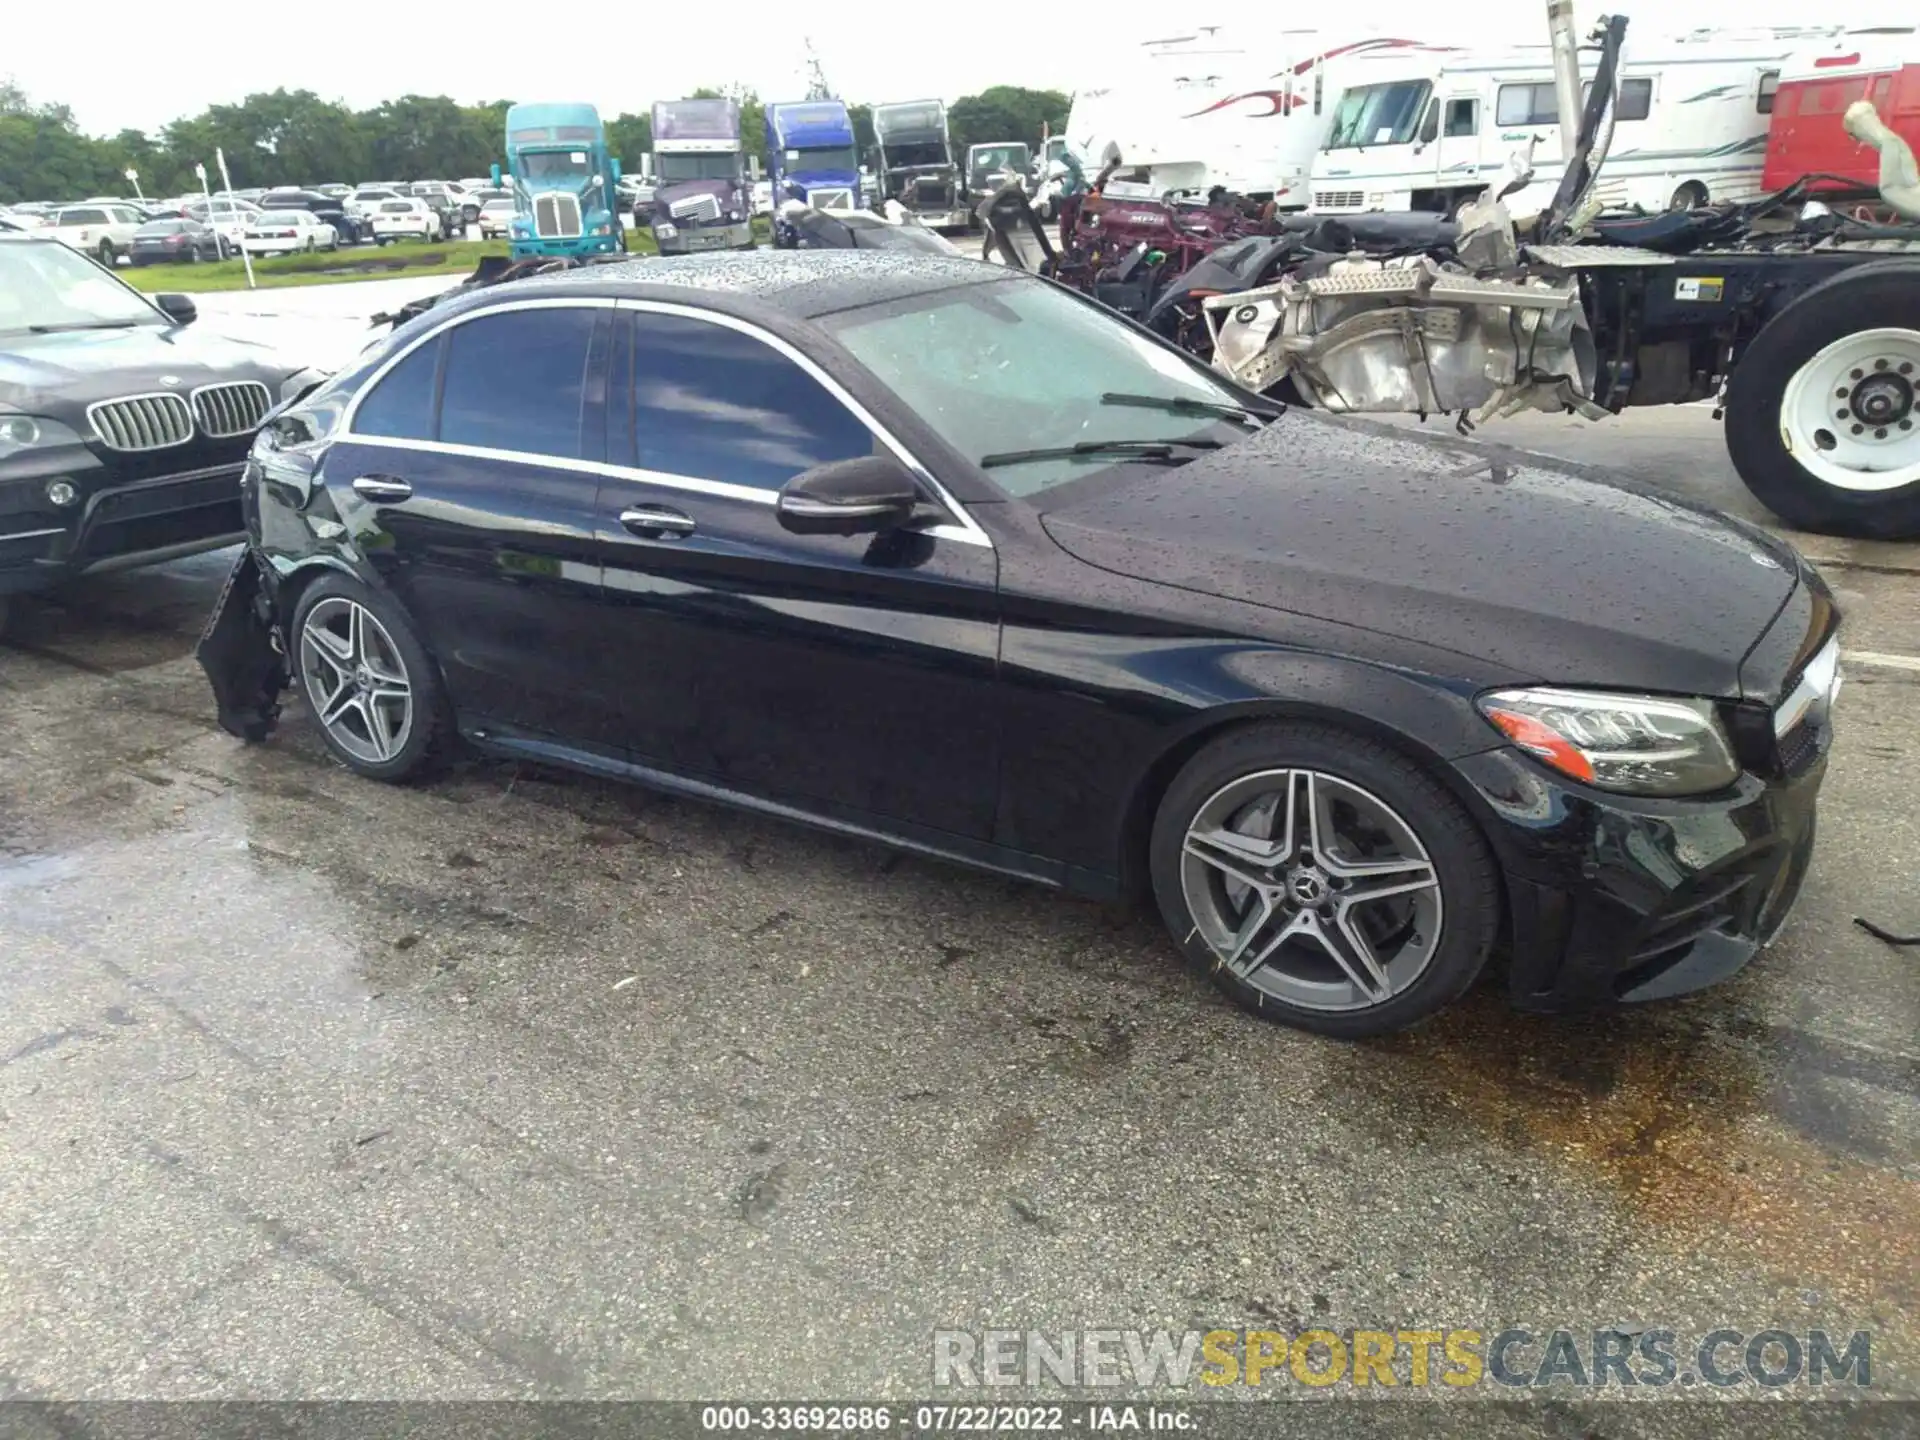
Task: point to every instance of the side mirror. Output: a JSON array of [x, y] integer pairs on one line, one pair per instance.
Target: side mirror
[[616, 172], [848, 497], [495, 174], [179, 308]]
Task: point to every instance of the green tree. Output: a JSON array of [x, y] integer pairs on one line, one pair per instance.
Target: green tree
[[630, 136], [1005, 112]]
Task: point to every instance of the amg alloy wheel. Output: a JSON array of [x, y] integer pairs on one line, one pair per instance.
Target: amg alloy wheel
[[1323, 879], [368, 680], [1311, 889], [355, 680]]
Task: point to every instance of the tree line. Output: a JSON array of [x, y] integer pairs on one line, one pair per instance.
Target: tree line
[[295, 137]]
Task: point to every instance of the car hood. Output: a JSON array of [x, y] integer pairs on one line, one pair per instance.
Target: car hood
[[1545, 574], [44, 374]]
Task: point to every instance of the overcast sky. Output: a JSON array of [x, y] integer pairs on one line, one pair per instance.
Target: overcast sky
[[101, 57]]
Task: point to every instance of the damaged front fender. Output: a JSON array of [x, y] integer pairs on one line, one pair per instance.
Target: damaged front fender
[[241, 654]]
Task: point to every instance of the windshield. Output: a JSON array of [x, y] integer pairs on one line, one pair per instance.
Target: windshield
[[823, 157], [899, 155], [43, 283], [555, 164], [1018, 363], [710, 165], [1378, 115], [1000, 157]]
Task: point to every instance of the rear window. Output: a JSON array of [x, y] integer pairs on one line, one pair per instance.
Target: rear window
[[396, 207], [83, 216], [162, 227], [281, 217]]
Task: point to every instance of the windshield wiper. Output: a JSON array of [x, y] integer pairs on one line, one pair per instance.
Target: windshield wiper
[[84, 325], [1161, 450], [1180, 405]]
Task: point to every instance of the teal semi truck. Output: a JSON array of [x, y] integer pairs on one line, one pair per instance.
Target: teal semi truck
[[564, 179]]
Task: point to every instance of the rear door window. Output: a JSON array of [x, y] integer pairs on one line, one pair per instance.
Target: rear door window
[[400, 404]]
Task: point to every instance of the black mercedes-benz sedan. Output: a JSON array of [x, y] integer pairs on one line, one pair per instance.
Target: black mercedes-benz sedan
[[920, 549], [122, 432]]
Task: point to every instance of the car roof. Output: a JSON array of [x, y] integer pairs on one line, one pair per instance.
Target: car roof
[[802, 283]]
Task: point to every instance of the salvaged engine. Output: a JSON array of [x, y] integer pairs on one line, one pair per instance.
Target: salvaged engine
[[1411, 333]]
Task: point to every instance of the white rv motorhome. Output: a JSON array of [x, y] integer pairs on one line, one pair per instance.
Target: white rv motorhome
[[1424, 130], [1240, 106]]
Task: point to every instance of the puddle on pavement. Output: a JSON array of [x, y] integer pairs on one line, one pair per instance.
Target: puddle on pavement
[[1711, 1127]]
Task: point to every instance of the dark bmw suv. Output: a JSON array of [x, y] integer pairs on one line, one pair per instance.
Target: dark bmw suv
[[926, 550], [122, 431]]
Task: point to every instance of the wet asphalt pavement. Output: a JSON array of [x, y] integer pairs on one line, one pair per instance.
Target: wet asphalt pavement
[[524, 1084]]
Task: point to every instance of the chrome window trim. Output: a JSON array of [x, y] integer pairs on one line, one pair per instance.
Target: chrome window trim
[[964, 529]]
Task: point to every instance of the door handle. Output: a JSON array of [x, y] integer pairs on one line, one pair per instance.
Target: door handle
[[657, 521], [382, 487]]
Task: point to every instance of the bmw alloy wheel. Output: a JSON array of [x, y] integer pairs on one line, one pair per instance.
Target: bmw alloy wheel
[[1311, 890], [355, 680]]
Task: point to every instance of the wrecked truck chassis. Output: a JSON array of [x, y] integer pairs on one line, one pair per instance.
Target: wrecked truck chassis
[[1596, 328]]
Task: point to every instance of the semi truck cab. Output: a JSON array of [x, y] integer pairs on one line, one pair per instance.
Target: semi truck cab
[[564, 182], [811, 156], [916, 163], [702, 200]]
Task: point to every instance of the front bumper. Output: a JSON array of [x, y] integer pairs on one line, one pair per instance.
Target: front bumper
[[1613, 898], [525, 246], [115, 525], [693, 239]]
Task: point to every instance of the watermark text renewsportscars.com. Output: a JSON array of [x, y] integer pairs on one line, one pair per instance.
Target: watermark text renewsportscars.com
[[1455, 1358]]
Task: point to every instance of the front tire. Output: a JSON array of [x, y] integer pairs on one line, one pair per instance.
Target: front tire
[[1823, 409], [1323, 880], [374, 691]]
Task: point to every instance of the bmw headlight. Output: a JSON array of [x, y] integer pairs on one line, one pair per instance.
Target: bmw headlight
[[32, 432], [1634, 744]]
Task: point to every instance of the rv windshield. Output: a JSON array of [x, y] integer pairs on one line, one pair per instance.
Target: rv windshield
[[823, 157], [702, 165], [1378, 115], [554, 164]]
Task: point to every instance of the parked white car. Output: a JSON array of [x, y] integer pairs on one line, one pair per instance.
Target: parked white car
[[404, 219], [104, 231], [285, 232], [368, 198], [226, 216], [496, 216]]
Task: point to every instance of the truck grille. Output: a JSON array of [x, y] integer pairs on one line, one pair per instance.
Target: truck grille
[[836, 197], [234, 409], [1339, 199], [701, 209], [556, 217], [142, 422], [932, 191]]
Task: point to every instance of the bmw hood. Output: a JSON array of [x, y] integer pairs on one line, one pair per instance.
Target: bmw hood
[[1539, 572], [44, 374]]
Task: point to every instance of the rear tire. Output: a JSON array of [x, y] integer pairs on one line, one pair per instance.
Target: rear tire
[[354, 648], [106, 253], [1428, 938], [1689, 196], [1799, 455]]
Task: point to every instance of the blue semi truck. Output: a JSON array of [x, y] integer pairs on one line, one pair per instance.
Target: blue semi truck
[[564, 182], [811, 156]]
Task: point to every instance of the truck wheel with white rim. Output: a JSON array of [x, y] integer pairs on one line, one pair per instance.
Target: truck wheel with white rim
[[1823, 409], [106, 253]]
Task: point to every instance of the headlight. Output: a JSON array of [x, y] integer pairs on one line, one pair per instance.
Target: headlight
[[1637, 744], [603, 229], [665, 230], [32, 432]]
